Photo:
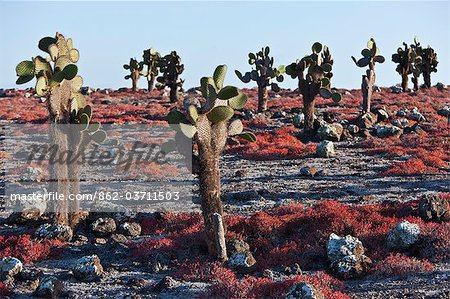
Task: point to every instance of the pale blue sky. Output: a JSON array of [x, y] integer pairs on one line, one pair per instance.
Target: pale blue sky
[[206, 34]]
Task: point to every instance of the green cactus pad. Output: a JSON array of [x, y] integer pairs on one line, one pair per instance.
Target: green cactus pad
[[208, 87], [317, 47], [41, 86], [25, 68], [236, 127], [220, 113], [325, 93], [76, 83], [69, 42], [74, 55], [45, 42], [244, 79], [363, 62], [326, 67], [70, 71], [238, 102], [53, 51], [275, 87], [174, 117], [188, 130], [99, 136], [88, 110], [247, 136], [325, 82], [41, 66], [227, 92], [366, 53], [84, 119], [379, 59], [24, 79], [62, 62], [370, 43], [336, 97], [193, 113], [79, 98], [126, 66], [94, 126], [219, 75]]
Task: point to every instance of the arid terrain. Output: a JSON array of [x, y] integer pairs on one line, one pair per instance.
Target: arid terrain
[[282, 201]]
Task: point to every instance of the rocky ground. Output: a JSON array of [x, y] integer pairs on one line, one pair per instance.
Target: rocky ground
[[351, 176]]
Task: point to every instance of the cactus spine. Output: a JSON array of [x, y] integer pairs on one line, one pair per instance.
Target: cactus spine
[[151, 59], [316, 81], [264, 75], [171, 68], [370, 57], [58, 82], [207, 127], [405, 58], [135, 69]]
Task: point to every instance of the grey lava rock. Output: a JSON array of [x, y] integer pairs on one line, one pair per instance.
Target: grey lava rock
[[132, 229], [298, 120], [49, 287], [402, 112], [346, 256], [166, 283], [308, 171], [381, 113], [396, 89], [330, 132], [444, 111], [10, 267], [88, 268], [103, 226], [403, 235], [302, 290], [433, 207], [325, 149], [440, 86], [353, 129], [416, 115], [367, 120], [389, 131], [400, 123], [54, 232], [240, 256]]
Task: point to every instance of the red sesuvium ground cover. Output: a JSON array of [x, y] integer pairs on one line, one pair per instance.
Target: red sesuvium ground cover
[[272, 145], [291, 234], [4, 290], [26, 249]]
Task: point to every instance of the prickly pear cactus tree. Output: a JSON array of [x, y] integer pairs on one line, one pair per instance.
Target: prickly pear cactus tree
[[405, 58], [171, 68], [314, 73], [136, 69], [57, 81], [264, 74], [209, 127], [370, 57], [425, 65], [151, 59]]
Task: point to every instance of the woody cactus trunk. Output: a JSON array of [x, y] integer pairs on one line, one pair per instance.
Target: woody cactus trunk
[[425, 65], [171, 68], [405, 58], [58, 82], [264, 75], [370, 57], [207, 126], [135, 69], [151, 59], [316, 81]]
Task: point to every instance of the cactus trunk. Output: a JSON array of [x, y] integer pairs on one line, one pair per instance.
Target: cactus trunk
[[210, 192], [173, 94], [262, 98], [405, 82], [308, 110], [367, 89], [427, 79], [151, 82]]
